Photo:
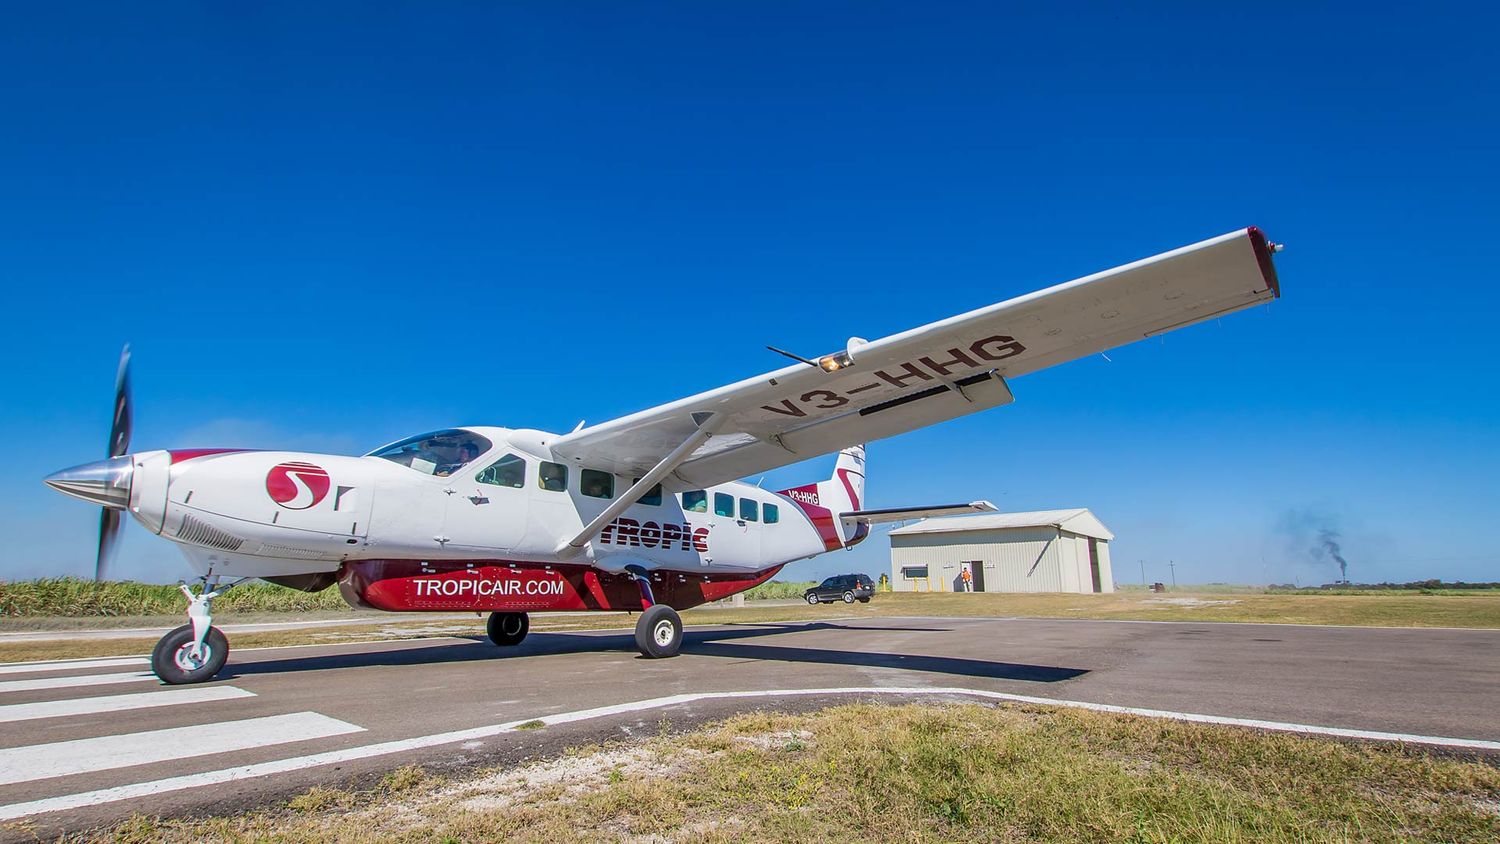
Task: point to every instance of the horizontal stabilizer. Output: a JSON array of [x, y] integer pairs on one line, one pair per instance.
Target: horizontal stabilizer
[[902, 514]]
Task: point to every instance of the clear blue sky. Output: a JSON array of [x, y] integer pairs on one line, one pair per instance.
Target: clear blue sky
[[326, 228]]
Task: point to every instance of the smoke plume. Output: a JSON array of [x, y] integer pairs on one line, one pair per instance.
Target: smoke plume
[[1328, 547], [1314, 535]]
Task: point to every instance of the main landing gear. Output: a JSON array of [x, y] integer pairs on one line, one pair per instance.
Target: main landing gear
[[658, 632], [507, 628], [195, 651]]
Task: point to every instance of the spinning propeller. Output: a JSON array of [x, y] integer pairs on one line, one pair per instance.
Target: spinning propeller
[[107, 482], [119, 444]]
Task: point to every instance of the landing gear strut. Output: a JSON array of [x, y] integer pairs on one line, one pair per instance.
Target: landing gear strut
[[658, 632], [195, 651], [507, 628]]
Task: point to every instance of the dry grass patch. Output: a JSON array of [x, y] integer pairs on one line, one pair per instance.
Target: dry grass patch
[[913, 773]]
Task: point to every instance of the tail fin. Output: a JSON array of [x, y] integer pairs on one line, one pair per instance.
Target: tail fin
[[849, 478], [824, 502]]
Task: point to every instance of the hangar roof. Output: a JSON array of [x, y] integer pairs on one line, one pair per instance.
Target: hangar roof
[[1079, 521]]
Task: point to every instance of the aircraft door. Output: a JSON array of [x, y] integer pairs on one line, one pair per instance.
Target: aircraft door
[[736, 537], [488, 508]]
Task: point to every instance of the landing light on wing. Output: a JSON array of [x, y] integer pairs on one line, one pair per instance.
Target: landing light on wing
[[835, 362]]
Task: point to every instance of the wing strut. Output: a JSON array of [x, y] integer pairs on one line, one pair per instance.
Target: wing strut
[[708, 424]]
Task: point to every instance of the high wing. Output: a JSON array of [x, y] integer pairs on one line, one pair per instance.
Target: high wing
[[902, 514], [927, 375]]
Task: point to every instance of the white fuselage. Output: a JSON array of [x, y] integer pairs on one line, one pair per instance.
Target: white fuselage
[[222, 509]]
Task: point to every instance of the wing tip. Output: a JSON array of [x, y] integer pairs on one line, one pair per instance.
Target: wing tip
[[1262, 249]]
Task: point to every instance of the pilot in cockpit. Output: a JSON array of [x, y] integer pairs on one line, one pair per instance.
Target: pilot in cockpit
[[467, 451]]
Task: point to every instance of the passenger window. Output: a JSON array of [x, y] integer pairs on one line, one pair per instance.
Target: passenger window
[[773, 514], [597, 484], [723, 505], [652, 496], [749, 510], [552, 477], [509, 470], [695, 501]]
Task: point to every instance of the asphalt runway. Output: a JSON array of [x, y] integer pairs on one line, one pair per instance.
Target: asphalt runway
[[91, 741]]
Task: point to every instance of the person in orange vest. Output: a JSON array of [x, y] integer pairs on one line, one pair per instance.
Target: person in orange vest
[[968, 578]]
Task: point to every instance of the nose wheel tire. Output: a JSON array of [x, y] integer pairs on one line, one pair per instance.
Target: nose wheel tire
[[507, 628], [813, 599], [658, 632], [848, 597], [175, 663]]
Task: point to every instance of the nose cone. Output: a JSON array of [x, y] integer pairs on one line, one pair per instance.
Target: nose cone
[[106, 482]]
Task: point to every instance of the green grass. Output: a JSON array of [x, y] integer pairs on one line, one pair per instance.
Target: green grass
[[915, 773], [780, 590], [76, 597], [72, 597]]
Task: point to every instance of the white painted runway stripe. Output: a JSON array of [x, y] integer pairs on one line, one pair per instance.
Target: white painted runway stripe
[[74, 682], [81, 756], [118, 703], [334, 757], [71, 664]]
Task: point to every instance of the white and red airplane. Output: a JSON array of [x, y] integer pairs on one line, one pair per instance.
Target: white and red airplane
[[642, 513]]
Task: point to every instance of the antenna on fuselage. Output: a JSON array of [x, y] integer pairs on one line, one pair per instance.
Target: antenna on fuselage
[[578, 427]]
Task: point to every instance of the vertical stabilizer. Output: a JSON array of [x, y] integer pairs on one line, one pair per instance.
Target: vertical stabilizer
[[849, 477], [824, 502]]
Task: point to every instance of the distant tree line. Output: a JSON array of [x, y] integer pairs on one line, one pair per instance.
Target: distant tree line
[[1409, 586]]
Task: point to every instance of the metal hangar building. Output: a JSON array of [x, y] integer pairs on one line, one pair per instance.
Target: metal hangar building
[[1045, 551]]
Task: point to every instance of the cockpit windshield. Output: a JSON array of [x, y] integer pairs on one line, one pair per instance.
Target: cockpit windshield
[[439, 453]]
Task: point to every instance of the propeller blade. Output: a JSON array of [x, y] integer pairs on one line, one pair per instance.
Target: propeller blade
[[119, 431], [109, 535]]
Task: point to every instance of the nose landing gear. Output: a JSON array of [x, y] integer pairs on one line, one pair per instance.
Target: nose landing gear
[[195, 651]]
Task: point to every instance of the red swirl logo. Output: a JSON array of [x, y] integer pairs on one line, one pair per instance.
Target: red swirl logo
[[297, 486]]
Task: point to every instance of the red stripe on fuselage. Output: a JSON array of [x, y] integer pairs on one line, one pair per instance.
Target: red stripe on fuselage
[[506, 586], [820, 516], [181, 454]]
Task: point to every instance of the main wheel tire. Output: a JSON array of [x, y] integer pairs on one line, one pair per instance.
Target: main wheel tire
[[658, 632], [812, 598], [848, 597], [172, 660], [507, 628]]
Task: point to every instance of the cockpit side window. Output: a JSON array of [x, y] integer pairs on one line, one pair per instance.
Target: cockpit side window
[[440, 453], [509, 470]]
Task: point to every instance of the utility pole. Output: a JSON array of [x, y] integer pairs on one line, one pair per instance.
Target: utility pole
[[1143, 573], [1173, 566]]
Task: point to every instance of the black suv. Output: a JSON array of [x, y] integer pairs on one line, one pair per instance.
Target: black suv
[[844, 587]]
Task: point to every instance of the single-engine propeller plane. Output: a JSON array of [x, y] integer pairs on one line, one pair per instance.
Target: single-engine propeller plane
[[643, 513]]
